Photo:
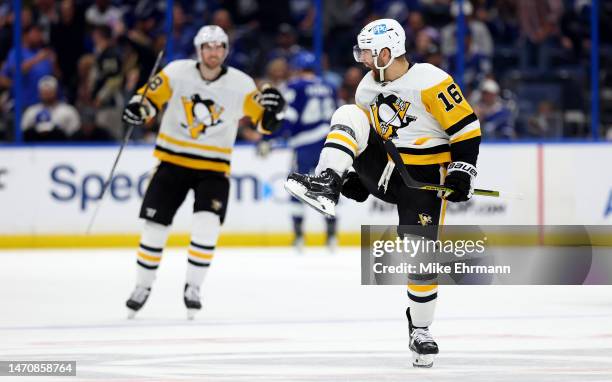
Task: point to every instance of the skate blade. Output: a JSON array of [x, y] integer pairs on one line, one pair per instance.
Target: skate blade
[[323, 205], [422, 360], [191, 313], [131, 314]]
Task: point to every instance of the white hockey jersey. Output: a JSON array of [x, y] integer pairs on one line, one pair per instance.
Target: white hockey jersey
[[200, 122], [423, 112]]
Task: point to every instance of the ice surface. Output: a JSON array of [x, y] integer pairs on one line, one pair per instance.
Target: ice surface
[[273, 315]]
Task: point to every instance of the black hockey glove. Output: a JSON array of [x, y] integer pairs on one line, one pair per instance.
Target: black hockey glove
[[460, 178], [135, 113], [273, 103], [352, 188], [272, 100]]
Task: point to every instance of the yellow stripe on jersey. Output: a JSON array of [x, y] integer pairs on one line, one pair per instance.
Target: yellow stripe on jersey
[[199, 255], [422, 288], [159, 90], [178, 142], [446, 103], [416, 159], [343, 138], [251, 108], [469, 135], [197, 164]]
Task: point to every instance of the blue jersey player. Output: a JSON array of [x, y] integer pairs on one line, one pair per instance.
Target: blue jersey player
[[310, 104]]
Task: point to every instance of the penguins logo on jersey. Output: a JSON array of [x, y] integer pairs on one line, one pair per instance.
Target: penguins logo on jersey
[[200, 114], [389, 114], [425, 219]]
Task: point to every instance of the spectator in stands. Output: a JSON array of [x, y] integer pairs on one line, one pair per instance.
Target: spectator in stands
[[102, 12], [415, 26], [277, 72], [67, 38], [423, 44], [245, 51], [547, 123], [89, 131], [477, 65], [496, 119], [286, 43], [37, 61], [576, 30], [139, 45], [434, 56], [6, 27], [51, 119], [539, 23], [352, 78], [84, 74], [481, 37], [45, 13], [182, 34], [341, 24], [106, 92]]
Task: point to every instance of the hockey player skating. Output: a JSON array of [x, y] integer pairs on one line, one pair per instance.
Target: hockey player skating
[[310, 104], [204, 102], [422, 111]]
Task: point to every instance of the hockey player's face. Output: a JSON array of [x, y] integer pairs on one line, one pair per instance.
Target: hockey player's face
[[364, 56], [213, 54], [367, 59]]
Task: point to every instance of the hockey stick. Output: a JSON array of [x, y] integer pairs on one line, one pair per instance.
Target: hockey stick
[[126, 138], [411, 183]]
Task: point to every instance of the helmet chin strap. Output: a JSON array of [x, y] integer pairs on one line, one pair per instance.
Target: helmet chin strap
[[381, 69]]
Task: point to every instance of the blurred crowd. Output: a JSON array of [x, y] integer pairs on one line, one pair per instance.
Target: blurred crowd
[[526, 63]]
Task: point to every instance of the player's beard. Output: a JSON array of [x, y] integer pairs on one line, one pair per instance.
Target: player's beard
[[212, 64], [375, 71]]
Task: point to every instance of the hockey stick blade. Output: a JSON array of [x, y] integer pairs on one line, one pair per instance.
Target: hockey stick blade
[[126, 138], [411, 183]]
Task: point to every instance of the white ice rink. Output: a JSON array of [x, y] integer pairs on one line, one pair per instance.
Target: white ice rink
[[271, 315]]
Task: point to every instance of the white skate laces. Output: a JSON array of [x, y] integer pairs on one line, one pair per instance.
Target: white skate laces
[[421, 335], [192, 293]]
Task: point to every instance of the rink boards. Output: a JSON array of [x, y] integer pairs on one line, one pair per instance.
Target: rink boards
[[49, 193]]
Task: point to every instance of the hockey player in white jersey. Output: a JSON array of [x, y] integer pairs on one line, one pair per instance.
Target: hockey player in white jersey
[[421, 109], [204, 101]]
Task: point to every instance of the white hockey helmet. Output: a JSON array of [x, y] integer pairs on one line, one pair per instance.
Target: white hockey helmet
[[378, 35], [210, 34]]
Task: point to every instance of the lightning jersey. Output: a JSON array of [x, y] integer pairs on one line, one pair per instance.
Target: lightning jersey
[[424, 113], [200, 122], [310, 105]]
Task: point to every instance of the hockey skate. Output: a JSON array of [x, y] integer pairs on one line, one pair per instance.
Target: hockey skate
[[422, 345], [192, 300], [298, 244], [318, 191], [332, 244], [137, 299]]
